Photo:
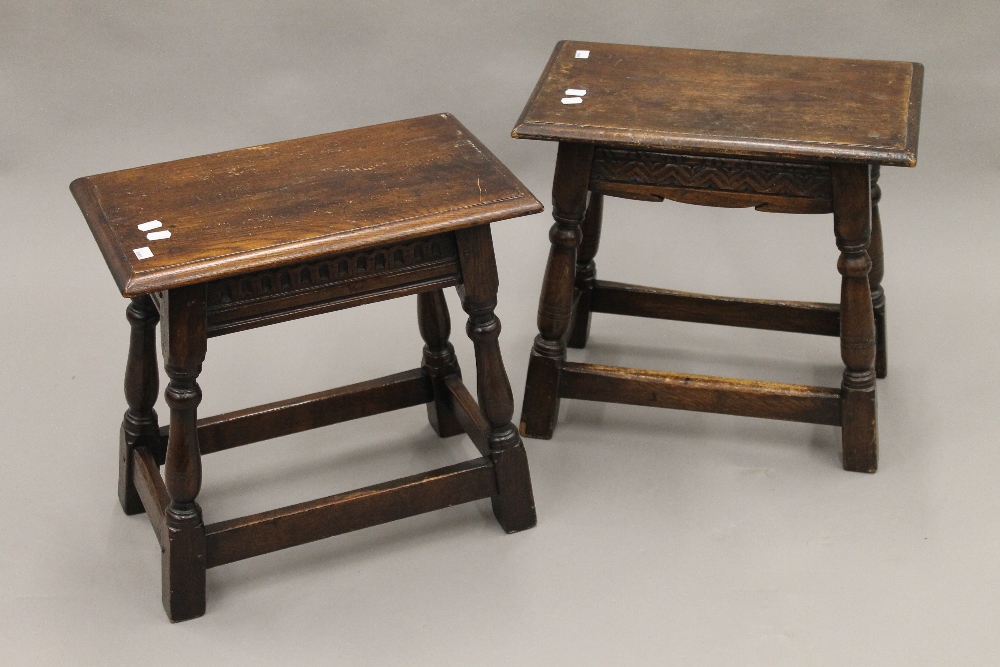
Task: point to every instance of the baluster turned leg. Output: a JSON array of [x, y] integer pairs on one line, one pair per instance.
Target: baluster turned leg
[[875, 280], [140, 427], [555, 307], [184, 346], [852, 223], [514, 505], [586, 271], [439, 359]]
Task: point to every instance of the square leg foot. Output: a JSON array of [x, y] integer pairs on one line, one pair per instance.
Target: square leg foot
[[514, 506], [183, 561], [860, 431], [541, 397]]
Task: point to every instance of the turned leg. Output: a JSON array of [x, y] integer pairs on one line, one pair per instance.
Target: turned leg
[[439, 359], [514, 504], [142, 382], [852, 222], [184, 344], [586, 271], [875, 280], [555, 306]]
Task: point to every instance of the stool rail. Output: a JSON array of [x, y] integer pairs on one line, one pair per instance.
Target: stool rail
[[701, 393], [822, 319], [245, 537]]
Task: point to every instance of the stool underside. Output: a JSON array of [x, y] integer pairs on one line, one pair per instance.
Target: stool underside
[[245, 537]]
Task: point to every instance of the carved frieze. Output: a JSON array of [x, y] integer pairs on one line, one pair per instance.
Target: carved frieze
[[329, 271], [753, 177]]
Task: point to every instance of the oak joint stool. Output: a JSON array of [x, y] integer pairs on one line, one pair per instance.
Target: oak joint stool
[[780, 134], [231, 241]]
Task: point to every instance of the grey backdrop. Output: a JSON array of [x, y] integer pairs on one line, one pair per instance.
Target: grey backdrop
[[663, 537]]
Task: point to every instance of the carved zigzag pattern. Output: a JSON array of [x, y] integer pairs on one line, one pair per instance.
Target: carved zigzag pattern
[[721, 174]]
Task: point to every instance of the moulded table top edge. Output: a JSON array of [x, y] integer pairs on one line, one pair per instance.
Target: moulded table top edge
[[135, 284], [707, 144], [512, 200], [775, 149]]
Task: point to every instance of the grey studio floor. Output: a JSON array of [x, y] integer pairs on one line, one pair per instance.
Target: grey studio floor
[[664, 537]]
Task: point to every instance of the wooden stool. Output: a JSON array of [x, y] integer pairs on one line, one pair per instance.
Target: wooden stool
[[778, 133], [221, 243]]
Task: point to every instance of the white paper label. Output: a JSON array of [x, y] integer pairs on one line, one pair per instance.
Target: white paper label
[[152, 224], [143, 253], [583, 54], [574, 92], [156, 236], [572, 100]]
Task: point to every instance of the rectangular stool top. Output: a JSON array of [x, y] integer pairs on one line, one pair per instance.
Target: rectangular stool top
[[229, 213], [724, 103]]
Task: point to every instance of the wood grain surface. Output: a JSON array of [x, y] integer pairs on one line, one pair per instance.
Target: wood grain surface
[[255, 208], [718, 102]]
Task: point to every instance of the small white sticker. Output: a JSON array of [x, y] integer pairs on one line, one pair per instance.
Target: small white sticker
[[572, 100], [583, 54], [576, 92], [143, 253], [156, 236], [152, 224]]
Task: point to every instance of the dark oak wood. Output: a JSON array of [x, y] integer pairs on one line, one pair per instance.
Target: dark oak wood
[[875, 276], [140, 424], [775, 187], [555, 305], [514, 502], [463, 405], [229, 541], [723, 103], [439, 360], [268, 234], [294, 415], [795, 316], [152, 491], [680, 391], [781, 134], [332, 283], [257, 208], [586, 271], [184, 341], [852, 224]]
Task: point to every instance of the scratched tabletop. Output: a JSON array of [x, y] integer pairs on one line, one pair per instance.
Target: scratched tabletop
[[187, 221], [726, 103]]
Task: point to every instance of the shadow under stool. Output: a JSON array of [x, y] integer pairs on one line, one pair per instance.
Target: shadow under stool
[[222, 243], [781, 134]]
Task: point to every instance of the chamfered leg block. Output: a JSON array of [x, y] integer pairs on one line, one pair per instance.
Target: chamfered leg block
[[140, 426], [555, 306], [852, 225], [184, 346], [514, 504]]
